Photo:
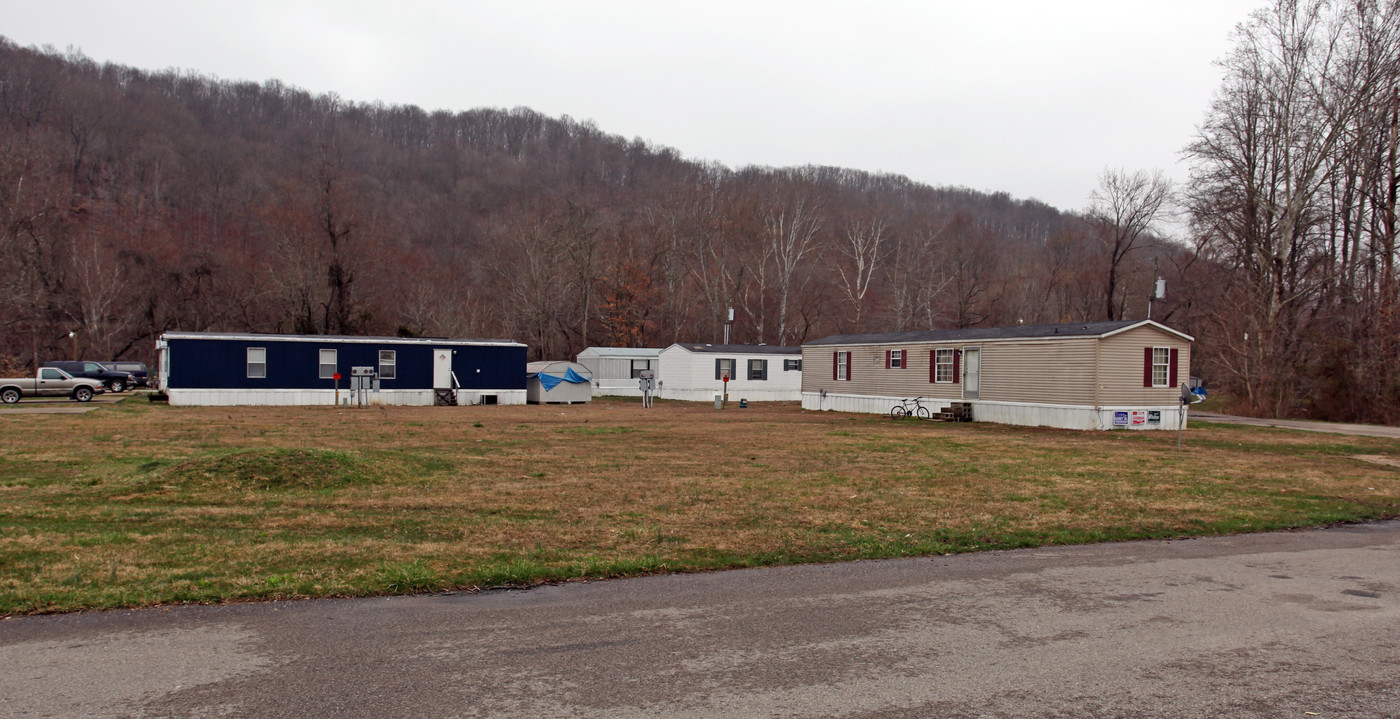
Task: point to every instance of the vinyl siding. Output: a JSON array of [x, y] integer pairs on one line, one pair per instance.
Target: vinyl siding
[[869, 376], [1120, 368], [1043, 371], [691, 375]]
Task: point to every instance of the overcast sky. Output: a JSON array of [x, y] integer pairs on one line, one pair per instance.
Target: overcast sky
[[1033, 98]]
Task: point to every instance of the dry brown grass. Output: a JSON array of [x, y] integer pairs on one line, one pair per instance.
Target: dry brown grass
[[138, 504]]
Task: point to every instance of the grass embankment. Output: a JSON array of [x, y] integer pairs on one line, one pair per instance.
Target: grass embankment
[[138, 504]]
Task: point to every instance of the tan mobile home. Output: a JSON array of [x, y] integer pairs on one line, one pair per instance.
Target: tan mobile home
[[1096, 375]]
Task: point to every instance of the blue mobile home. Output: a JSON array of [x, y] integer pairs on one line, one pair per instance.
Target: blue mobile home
[[218, 368]]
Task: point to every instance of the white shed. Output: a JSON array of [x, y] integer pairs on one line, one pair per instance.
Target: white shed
[[758, 373], [558, 382], [616, 370]]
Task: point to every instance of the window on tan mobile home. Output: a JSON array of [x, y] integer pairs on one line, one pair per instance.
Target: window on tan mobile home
[[1161, 366], [943, 365]]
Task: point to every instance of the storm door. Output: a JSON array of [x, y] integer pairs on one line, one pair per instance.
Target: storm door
[[972, 372]]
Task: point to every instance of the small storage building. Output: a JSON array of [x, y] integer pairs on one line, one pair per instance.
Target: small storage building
[[558, 383], [617, 370], [1097, 375], [758, 373], [219, 368]]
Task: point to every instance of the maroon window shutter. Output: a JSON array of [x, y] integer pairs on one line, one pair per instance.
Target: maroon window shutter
[[1173, 366], [957, 366], [1147, 367], [850, 364], [932, 365], [835, 365], [887, 359]]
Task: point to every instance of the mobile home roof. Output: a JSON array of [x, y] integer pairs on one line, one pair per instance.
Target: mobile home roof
[[979, 334], [258, 336]]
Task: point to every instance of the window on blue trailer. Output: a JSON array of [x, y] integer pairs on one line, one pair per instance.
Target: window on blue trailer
[[257, 362], [327, 364], [388, 359]]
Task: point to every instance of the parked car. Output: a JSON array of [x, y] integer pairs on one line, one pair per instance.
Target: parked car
[[49, 382], [137, 370], [113, 381]]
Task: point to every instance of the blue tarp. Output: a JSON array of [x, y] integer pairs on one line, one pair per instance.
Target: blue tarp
[[551, 381]]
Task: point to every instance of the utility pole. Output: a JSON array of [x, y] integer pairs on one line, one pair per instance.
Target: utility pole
[[1159, 292]]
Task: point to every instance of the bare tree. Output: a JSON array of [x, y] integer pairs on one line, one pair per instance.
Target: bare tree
[[790, 232], [861, 245], [1124, 208]]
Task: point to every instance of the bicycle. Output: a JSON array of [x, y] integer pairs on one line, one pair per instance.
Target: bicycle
[[910, 408]]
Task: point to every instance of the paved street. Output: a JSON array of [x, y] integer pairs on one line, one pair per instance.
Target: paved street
[[1363, 430], [1295, 624]]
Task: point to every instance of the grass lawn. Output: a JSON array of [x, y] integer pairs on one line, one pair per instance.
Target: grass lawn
[[138, 504]]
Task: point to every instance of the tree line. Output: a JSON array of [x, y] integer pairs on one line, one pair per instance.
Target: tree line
[[136, 202]]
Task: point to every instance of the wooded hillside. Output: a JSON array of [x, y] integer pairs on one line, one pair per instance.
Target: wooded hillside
[[135, 202]]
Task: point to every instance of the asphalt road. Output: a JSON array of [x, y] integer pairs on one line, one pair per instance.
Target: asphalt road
[[1295, 624], [1363, 430]]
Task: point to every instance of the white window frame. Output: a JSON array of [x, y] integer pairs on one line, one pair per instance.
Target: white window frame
[[760, 366], [321, 361], [261, 364], [843, 366], [1161, 364], [940, 376], [792, 365], [388, 366]]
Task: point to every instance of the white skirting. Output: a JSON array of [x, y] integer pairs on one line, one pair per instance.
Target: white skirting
[[708, 395], [405, 397], [1020, 413], [617, 388]]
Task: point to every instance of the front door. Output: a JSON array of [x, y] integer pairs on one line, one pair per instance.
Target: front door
[[972, 372], [442, 369]]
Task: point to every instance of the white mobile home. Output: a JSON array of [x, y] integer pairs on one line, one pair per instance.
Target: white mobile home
[[1097, 375], [758, 373], [616, 370]]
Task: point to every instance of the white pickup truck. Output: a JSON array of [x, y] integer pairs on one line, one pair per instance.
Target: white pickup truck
[[49, 382]]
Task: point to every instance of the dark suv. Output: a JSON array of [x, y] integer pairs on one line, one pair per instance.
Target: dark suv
[[137, 370], [112, 380]]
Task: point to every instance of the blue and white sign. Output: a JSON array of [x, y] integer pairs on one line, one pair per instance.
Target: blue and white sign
[[1120, 419]]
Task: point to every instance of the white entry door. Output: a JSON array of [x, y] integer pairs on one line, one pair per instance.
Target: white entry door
[[972, 372], [442, 369]]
